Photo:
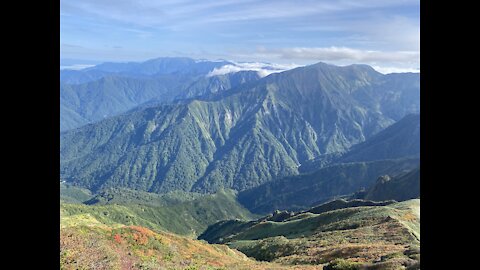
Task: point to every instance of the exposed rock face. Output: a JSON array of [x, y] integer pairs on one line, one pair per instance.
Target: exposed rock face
[[279, 216], [383, 179]]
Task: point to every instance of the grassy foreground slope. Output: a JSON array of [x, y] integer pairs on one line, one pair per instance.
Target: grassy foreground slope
[[366, 237], [188, 217], [98, 246]]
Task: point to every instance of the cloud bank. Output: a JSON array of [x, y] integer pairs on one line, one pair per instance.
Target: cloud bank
[[382, 61], [263, 69], [76, 67], [387, 70], [344, 53]]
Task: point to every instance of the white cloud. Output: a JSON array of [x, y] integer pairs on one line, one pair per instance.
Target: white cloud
[[76, 67], [383, 61], [344, 53], [393, 32], [154, 12], [222, 26], [387, 70], [263, 69]]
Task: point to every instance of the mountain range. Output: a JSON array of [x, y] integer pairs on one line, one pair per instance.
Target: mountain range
[[109, 89], [316, 167], [241, 138], [153, 67]]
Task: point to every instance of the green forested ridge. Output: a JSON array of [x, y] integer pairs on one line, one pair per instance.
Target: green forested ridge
[[238, 139], [301, 191], [392, 151], [107, 89], [68, 76], [178, 213], [215, 84], [394, 105], [401, 139], [113, 94], [128, 196]]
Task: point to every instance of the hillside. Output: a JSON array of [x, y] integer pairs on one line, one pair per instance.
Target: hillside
[[393, 151], [237, 139], [97, 246], [188, 216], [68, 76], [364, 237], [128, 196], [72, 194], [401, 139], [114, 93], [111, 95], [400, 188], [301, 191]]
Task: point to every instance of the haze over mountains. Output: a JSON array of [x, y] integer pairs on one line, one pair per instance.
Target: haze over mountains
[[107, 89]]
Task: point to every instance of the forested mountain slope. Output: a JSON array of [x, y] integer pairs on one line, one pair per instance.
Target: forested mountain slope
[[237, 139]]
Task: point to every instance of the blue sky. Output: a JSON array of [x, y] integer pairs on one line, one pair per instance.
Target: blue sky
[[381, 33]]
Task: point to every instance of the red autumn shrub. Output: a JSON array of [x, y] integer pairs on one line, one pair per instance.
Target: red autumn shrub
[[117, 238]]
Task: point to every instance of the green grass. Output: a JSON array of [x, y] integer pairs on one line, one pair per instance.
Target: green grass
[[363, 235], [126, 196], [72, 194], [189, 217]]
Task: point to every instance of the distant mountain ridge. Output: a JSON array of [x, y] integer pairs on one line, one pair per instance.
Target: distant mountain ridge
[[161, 65], [241, 138], [113, 88], [149, 68]]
